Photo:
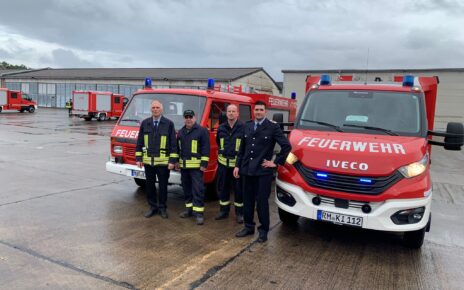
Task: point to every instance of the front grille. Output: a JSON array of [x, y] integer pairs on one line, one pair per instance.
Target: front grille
[[348, 183], [129, 153]]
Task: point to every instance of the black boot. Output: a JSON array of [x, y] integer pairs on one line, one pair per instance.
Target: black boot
[[186, 213], [199, 218], [223, 212], [239, 215]]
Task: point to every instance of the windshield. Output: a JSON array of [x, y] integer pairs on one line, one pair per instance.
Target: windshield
[[174, 105], [372, 112]]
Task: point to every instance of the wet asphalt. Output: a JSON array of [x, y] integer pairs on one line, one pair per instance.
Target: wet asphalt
[[65, 223]]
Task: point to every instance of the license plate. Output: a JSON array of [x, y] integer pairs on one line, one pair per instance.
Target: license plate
[[337, 218], [137, 173]]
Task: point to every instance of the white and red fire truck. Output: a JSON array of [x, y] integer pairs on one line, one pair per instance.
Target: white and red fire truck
[[99, 105], [361, 156], [16, 100], [209, 105]]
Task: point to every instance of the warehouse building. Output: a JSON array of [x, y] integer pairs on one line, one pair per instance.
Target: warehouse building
[[53, 87], [450, 102]]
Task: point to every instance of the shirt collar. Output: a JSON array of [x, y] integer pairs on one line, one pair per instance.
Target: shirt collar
[[260, 122], [154, 120]]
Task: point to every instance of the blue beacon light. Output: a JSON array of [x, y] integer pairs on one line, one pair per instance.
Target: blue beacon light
[[293, 95], [365, 180], [325, 80], [321, 175], [210, 84], [408, 81], [148, 83]]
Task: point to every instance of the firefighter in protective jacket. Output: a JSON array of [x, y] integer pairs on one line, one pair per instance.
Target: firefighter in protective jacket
[[193, 141], [228, 138], [157, 151]]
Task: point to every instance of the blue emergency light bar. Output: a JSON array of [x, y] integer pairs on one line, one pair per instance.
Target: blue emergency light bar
[[210, 84], [148, 83], [325, 80], [408, 81], [321, 175], [365, 180], [293, 95]]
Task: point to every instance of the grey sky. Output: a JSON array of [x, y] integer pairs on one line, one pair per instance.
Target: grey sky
[[275, 35]]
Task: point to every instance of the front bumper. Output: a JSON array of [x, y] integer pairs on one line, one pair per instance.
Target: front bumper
[[378, 219], [136, 172]]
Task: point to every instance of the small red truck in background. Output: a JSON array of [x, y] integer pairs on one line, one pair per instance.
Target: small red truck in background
[[99, 105], [361, 155], [16, 100]]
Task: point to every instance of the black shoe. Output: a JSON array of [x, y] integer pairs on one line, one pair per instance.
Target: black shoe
[[186, 213], [239, 219], [163, 213], [222, 215], [262, 238], [244, 232], [151, 212], [200, 219]]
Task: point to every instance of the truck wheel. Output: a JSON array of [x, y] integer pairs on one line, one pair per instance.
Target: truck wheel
[[414, 239], [88, 118], [101, 117], [288, 218], [31, 109], [21, 111], [140, 182]]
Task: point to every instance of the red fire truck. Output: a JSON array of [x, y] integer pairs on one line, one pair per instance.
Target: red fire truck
[[99, 105], [361, 156], [16, 100], [209, 106]]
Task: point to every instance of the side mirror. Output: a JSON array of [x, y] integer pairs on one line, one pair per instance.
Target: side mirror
[[222, 118], [454, 142]]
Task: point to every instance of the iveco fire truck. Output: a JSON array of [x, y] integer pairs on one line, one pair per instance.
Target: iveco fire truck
[[209, 106], [361, 156], [16, 100]]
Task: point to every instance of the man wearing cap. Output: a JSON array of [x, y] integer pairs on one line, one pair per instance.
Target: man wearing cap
[[156, 150], [193, 142], [228, 138], [254, 164]]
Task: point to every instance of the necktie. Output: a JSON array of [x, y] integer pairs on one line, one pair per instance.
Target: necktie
[[156, 126], [256, 125]]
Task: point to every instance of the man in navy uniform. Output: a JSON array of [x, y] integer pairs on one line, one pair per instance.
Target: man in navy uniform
[[228, 138], [193, 141], [157, 151], [254, 164]]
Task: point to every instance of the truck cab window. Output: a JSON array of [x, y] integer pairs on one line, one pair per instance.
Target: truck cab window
[[215, 114], [14, 95]]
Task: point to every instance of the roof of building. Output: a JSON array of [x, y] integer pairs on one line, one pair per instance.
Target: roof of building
[[177, 74], [374, 70], [4, 72]]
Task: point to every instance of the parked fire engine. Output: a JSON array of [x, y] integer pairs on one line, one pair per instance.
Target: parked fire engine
[[99, 105], [209, 106], [16, 100], [361, 156]]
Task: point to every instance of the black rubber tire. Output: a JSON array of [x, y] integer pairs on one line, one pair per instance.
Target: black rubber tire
[[456, 142], [21, 111], [31, 109], [140, 182], [288, 218], [101, 117], [88, 119], [414, 239]]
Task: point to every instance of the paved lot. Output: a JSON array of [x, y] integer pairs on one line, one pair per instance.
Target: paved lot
[[65, 223]]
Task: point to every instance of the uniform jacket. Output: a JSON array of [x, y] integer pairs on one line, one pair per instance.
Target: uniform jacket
[[259, 145], [193, 147], [228, 140], [157, 148]]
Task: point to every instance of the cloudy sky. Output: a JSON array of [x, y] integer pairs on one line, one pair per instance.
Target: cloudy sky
[[276, 35]]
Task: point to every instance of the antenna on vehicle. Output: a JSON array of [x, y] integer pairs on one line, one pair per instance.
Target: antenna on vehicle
[[367, 66]]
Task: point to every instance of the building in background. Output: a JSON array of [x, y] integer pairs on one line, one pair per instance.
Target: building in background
[[53, 87], [450, 100]]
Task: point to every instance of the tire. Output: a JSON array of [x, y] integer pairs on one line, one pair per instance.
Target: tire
[[414, 239], [288, 218], [21, 111], [140, 182], [31, 109], [88, 119], [101, 117]]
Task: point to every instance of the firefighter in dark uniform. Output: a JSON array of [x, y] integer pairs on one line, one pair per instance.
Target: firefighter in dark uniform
[[69, 107], [157, 151], [193, 142], [228, 138], [254, 164]]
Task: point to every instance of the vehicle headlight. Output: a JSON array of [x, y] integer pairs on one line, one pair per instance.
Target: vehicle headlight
[[291, 158], [117, 149], [415, 168]]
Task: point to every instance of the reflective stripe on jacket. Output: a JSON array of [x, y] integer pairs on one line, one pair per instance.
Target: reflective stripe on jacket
[[193, 147], [228, 140]]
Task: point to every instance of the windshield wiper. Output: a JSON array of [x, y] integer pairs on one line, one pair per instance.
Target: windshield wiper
[[324, 124], [389, 132], [131, 120]]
